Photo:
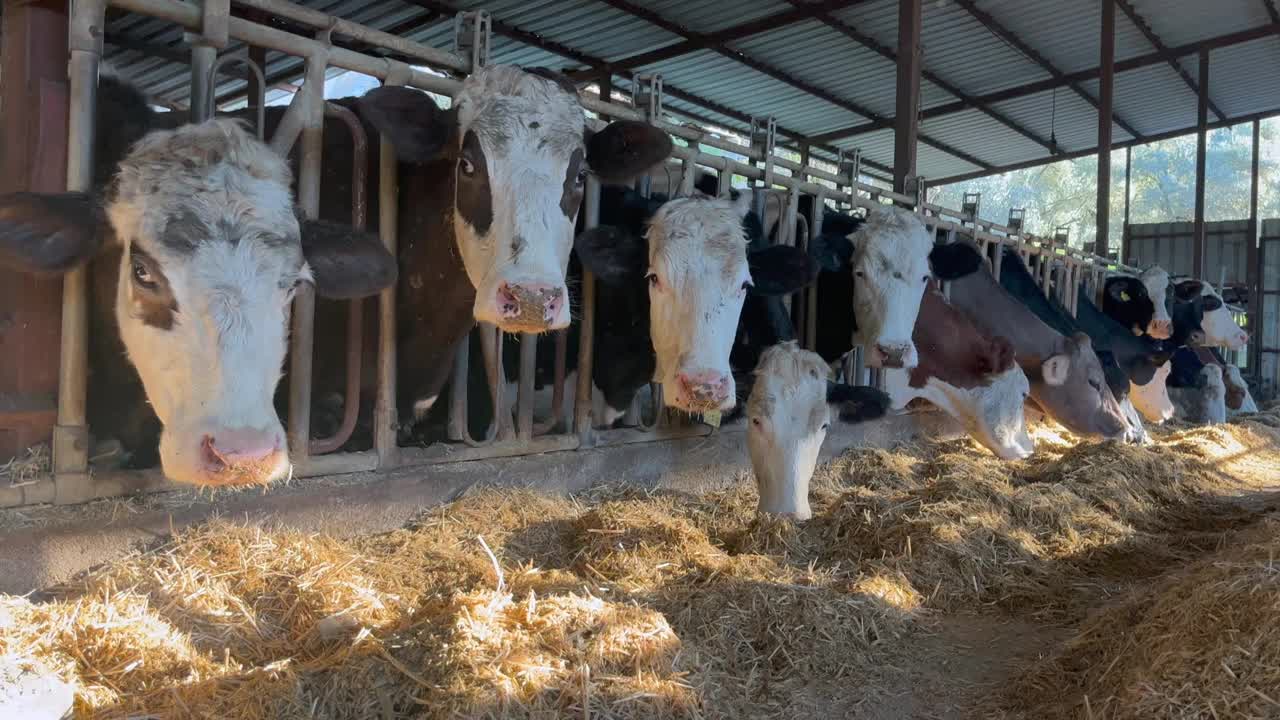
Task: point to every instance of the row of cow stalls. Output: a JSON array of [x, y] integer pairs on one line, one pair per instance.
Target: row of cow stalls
[[786, 186]]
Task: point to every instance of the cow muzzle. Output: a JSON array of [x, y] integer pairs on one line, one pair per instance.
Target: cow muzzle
[[703, 391], [1160, 329], [526, 307], [892, 355]]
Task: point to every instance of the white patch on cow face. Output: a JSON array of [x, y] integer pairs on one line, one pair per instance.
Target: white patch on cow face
[[788, 417], [519, 184], [698, 277], [891, 270], [1234, 379], [1137, 432], [993, 414], [1156, 281], [1152, 399], [1220, 329], [211, 258]]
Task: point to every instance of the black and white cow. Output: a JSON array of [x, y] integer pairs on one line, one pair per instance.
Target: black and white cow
[[198, 252]]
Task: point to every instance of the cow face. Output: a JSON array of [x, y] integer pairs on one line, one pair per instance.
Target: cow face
[[1206, 400], [788, 414], [520, 158], [1072, 388], [891, 268], [1152, 399], [210, 253], [1236, 386], [1219, 328], [1156, 282], [1127, 301]]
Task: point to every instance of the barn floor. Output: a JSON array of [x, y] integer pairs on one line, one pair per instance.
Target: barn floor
[[1094, 580]]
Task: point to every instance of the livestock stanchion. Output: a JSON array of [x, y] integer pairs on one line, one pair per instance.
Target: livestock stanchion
[[259, 89], [582, 420]]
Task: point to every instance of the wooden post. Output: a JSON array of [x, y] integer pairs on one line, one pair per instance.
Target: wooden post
[[1106, 86], [907, 121], [1202, 127]]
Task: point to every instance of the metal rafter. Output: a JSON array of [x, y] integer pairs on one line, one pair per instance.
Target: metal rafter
[[882, 50], [1039, 86], [1142, 25], [779, 75], [700, 41]]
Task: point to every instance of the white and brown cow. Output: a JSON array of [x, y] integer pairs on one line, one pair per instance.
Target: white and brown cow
[[890, 269], [199, 252]]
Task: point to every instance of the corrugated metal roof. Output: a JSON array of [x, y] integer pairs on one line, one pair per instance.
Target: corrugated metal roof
[[959, 49]]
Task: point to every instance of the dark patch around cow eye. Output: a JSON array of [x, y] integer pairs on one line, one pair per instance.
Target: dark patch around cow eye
[[571, 196], [154, 303], [1211, 303], [184, 232], [475, 200]]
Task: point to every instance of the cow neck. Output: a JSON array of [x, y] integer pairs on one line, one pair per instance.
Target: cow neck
[[947, 343], [997, 312]]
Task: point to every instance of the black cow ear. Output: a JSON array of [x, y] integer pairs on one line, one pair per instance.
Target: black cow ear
[[410, 119], [1188, 290], [780, 270], [831, 252], [49, 233], [857, 403], [346, 263], [626, 149], [612, 254], [955, 260]]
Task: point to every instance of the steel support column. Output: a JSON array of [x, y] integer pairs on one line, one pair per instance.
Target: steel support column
[[1128, 200], [1202, 129], [1253, 264], [1106, 93], [907, 127]]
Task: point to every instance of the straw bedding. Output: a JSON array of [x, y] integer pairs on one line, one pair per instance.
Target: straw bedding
[[624, 603]]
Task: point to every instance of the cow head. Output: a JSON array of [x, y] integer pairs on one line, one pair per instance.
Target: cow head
[[890, 269], [693, 258], [1235, 382], [1071, 387], [1128, 301], [1213, 394], [520, 156], [1156, 281], [209, 253], [1216, 324], [969, 375], [789, 412], [1152, 399]]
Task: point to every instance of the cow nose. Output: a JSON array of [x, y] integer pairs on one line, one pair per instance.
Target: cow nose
[[703, 389], [887, 355], [529, 307], [241, 456], [1160, 329]]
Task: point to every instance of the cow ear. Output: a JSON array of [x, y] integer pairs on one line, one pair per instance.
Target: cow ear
[[955, 260], [346, 263], [612, 254], [1121, 290], [410, 119], [857, 403], [626, 149], [49, 233], [831, 252], [1054, 371], [780, 270], [1188, 290]]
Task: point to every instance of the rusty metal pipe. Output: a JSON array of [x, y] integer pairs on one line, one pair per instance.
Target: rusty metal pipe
[[586, 347], [261, 89], [386, 412]]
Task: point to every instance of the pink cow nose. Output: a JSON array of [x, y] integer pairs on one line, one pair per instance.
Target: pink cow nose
[[1160, 329], [240, 456], [529, 307], [890, 356], [703, 389]]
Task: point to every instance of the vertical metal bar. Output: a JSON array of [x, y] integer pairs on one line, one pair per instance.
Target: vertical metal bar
[[386, 412], [1106, 93], [1253, 266], [724, 182], [998, 262], [1202, 127], [304, 304], [524, 397], [907, 127], [811, 292], [586, 345], [457, 429], [203, 56], [71, 435], [1128, 200]]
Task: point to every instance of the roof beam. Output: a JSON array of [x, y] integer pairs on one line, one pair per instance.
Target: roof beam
[[694, 42], [779, 75], [1133, 63], [1077, 154], [1132, 13], [1004, 33], [870, 43]]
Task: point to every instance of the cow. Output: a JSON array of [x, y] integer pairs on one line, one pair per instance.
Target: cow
[[1140, 304], [1186, 373], [199, 250], [1218, 327], [1235, 382], [789, 412], [1152, 399], [1066, 378], [970, 375], [1197, 389]]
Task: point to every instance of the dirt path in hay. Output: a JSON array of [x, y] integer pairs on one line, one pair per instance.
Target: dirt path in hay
[[931, 581]]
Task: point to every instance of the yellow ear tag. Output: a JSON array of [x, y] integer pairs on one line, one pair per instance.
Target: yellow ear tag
[[712, 418], [1124, 296]]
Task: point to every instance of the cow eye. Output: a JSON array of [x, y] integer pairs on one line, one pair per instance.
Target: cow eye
[[857, 273], [755, 421], [826, 425], [467, 167], [652, 277], [582, 176], [924, 279], [1211, 303], [747, 285], [142, 275], [1097, 386]]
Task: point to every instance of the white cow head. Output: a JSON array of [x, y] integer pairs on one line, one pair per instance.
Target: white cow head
[[1220, 329], [210, 253], [517, 144], [1152, 399], [789, 413], [1235, 382], [891, 269], [1156, 281]]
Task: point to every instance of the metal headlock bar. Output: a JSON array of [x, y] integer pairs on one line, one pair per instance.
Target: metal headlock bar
[[212, 27]]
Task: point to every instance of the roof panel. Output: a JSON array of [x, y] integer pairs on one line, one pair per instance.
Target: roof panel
[[1065, 32], [1245, 78], [983, 137], [1178, 22], [1073, 121], [706, 17], [959, 50], [1153, 99]]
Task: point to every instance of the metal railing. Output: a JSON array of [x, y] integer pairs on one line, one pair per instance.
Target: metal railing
[[213, 27]]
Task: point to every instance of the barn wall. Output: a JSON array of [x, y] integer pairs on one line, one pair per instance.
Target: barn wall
[[1169, 245], [1270, 327]]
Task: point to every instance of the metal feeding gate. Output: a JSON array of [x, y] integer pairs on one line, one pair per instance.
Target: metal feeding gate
[[778, 182]]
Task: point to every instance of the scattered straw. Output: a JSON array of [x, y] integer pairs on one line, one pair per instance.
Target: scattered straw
[[28, 467]]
